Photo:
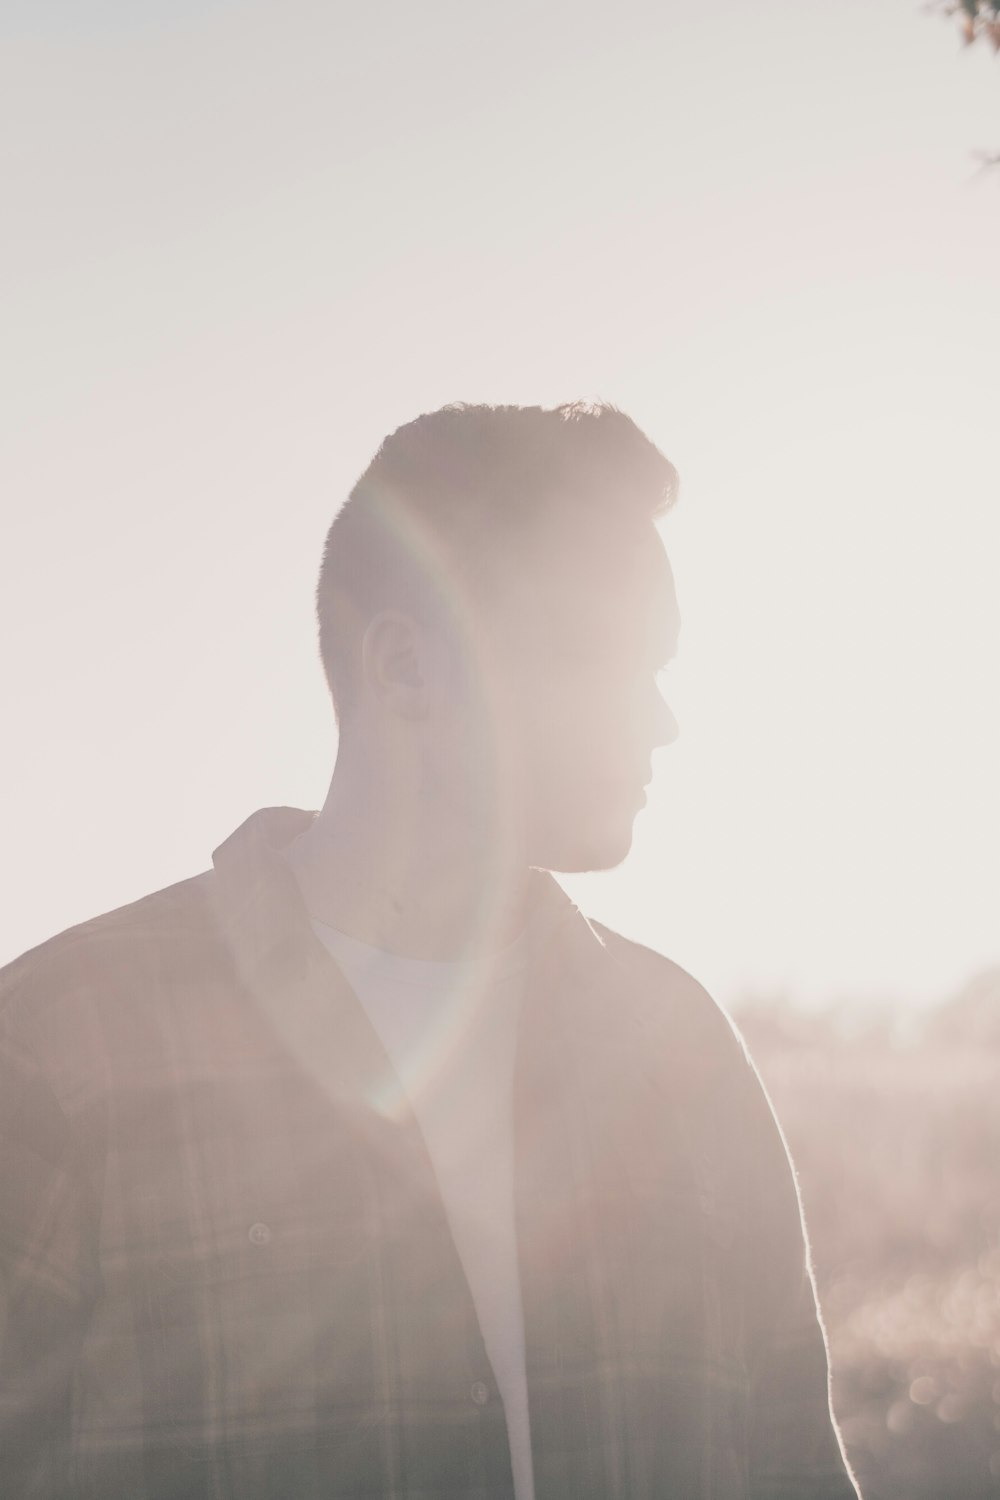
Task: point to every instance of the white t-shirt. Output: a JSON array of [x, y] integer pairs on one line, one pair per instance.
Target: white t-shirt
[[450, 1030]]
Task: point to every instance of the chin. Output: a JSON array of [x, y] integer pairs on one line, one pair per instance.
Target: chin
[[605, 850]]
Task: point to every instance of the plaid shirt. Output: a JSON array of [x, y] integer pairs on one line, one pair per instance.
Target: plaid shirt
[[227, 1269]]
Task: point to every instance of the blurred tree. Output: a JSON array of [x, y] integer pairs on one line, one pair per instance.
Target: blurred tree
[[980, 22], [979, 19], [896, 1145], [972, 1016]]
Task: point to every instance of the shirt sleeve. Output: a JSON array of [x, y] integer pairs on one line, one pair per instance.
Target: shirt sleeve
[[48, 1278], [795, 1448]]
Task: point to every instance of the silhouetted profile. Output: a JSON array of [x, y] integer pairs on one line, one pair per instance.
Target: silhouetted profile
[[363, 1164]]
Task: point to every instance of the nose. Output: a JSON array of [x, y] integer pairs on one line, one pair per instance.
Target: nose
[[665, 726]]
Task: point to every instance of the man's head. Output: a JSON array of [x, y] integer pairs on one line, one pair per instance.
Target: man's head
[[495, 589]]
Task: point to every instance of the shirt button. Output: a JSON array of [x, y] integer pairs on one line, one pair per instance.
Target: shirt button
[[480, 1392], [258, 1234]]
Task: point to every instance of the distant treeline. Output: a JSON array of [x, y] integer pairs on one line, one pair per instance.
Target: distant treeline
[[895, 1133]]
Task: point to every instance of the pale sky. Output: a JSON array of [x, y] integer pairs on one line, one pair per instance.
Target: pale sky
[[241, 242]]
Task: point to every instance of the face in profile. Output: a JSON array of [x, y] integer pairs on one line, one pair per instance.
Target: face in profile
[[576, 711]]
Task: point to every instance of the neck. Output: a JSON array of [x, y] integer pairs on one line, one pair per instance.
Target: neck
[[391, 859]]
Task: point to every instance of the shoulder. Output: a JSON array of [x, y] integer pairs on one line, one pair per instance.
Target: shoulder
[[112, 941], [674, 1010], [694, 1051], [665, 980], [49, 996]]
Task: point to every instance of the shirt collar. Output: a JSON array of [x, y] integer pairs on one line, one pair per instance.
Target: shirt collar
[[266, 920], [306, 1000]]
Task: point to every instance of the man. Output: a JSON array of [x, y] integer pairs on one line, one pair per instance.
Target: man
[[362, 1164]]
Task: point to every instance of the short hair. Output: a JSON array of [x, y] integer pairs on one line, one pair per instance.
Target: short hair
[[448, 500]]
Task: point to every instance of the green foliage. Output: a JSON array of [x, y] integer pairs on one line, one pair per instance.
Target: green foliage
[[897, 1148]]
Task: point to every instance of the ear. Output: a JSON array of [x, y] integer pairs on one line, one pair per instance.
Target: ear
[[394, 660]]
